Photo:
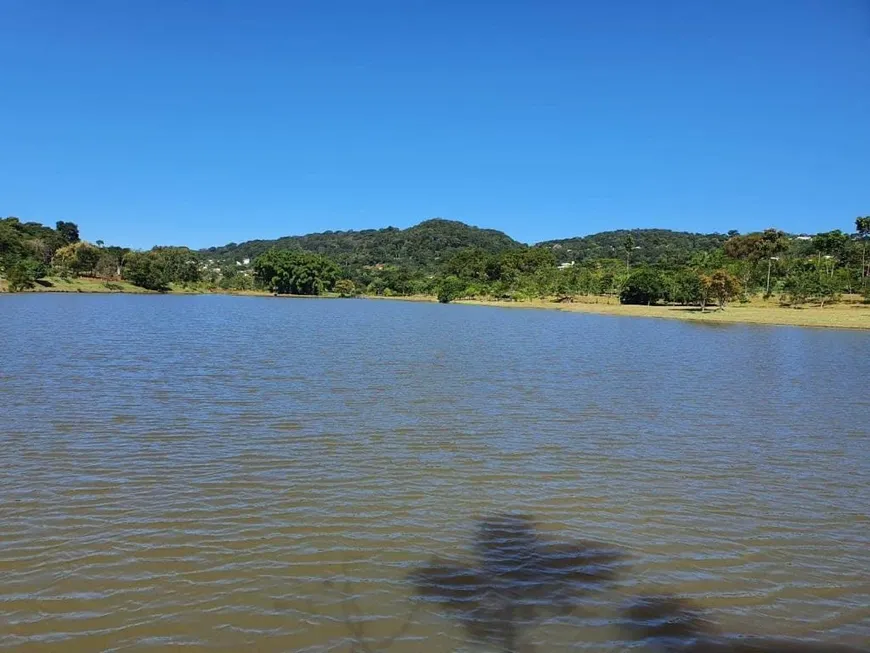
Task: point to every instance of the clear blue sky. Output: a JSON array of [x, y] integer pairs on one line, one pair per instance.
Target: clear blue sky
[[203, 121]]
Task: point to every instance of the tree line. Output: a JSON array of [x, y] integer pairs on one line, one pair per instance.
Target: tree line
[[452, 261], [31, 252], [818, 269]]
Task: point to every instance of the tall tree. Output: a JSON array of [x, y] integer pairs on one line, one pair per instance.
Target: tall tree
[[862, 230], [628, 246], [772, 244], [68, 230], [831, 245]]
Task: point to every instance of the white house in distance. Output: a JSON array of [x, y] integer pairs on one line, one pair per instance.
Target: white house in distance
[[566, 266]]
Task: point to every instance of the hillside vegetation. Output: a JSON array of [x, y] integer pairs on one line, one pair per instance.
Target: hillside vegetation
[[452, 261], [652, 246], [418, 248]]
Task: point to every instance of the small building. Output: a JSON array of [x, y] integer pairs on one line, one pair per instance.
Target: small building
[[566, 266]]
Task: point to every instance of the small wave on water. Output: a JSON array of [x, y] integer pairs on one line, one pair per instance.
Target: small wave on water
[[425, 480]]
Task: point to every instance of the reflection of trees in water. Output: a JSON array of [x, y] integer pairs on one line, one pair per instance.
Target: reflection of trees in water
[[518, 578]]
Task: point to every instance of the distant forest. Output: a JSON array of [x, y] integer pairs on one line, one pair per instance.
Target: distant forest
[[452, 260]]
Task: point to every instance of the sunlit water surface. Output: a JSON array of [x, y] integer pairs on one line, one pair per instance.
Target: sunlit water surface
[[264, 474]]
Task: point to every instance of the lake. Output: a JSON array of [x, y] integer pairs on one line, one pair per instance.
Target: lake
[[247, 473]]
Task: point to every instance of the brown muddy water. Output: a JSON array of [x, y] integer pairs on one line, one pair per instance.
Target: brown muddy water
[[258, 474]]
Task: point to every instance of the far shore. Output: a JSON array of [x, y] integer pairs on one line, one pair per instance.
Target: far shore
[[843, 315]]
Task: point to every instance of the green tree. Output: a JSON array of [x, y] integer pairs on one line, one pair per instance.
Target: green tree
[[586, 281], [755, 247], [684, 286], [512, 264], [862, 231], [628, 246], [644, 286], [23, 274], [235, 280], [345, 288], [771, 245], [721, 285], [470, 264], [801, 285], [146, 270], [80, 258], [831, 245], [181, 263], [111, 261], [295, 273], [450, 288], [11, 245], [805, 284], [708, 261], [69, 231]]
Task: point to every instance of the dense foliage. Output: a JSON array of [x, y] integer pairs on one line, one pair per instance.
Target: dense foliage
[[419, 248], [162, 266], [451, 261], [27, 240], [31, 252], [646, 286], [78, 258], [23, 274], [292, 272], [649, 246], [146, 270]]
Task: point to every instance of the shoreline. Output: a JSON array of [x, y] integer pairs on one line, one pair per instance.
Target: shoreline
[[835, 316], [838, 316]]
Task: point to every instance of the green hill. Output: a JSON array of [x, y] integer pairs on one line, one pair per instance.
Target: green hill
[[651, 245], [420, 247], [423, 246]]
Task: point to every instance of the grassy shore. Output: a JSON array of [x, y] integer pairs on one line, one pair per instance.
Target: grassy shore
[[837, 316], [849, 314], [57, 284], [87, 285]]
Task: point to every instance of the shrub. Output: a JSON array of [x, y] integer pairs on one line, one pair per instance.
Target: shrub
[[345, 288], [23, 274]]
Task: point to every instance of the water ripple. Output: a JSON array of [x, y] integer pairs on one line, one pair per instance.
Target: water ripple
[[247, 474]]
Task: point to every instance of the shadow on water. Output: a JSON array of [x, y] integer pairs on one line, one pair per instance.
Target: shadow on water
[[517, 578], [673, 625]]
